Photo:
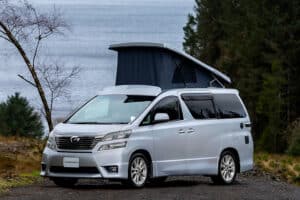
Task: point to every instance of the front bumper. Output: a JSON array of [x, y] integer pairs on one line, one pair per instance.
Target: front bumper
[[91, 164]]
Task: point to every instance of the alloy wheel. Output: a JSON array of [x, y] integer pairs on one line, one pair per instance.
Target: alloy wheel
[[228, 168], [138, 171]]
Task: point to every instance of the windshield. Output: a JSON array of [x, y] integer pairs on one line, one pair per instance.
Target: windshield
[[111, 109]]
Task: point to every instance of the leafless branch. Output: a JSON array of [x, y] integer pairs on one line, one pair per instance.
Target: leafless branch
[[5, 38], [28, 81], [57, 79], [36, 51], [27, 24]]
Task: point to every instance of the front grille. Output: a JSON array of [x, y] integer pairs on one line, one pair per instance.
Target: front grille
[[84, 143], [80, 170]]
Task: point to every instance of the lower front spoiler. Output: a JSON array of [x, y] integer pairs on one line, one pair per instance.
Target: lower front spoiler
[[91, 165], [84, 176], [69, 175]]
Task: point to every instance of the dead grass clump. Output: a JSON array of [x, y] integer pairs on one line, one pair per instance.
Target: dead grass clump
[[19, 156], [284, 166]]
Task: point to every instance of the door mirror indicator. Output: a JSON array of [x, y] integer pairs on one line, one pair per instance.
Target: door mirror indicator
[[161, 117]]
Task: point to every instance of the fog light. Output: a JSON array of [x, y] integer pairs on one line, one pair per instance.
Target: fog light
[[43, 166], [112, 169]]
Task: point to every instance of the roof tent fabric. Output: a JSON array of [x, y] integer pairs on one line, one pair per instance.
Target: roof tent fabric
[[155, 65]]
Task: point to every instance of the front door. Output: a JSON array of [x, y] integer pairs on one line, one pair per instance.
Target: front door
[[169, 139]]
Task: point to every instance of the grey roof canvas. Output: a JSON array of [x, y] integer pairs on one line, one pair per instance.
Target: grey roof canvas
[[157, 64]]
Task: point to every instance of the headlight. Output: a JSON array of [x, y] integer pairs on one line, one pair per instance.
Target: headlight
[[51, 142], [117, 135], [112, 146]]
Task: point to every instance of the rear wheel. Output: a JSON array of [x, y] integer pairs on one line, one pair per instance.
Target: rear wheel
[[138, 170], [65, 182], [227, 169]]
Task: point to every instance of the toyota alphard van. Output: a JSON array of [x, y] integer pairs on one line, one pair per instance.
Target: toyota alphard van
[[138, 134]]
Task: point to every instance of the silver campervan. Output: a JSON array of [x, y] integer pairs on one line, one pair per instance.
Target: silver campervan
[[139, 134]]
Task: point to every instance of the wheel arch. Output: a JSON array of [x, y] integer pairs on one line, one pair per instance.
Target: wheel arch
[[236, 153], [147, 155]]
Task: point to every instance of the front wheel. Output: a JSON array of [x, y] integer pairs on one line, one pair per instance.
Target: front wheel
[[138, 170], [227, 169]]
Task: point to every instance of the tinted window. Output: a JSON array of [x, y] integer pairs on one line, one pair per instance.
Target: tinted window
[[201, 107], [168, 105], [229, 106]]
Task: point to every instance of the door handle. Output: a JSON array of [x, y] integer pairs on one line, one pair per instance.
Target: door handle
[[181, 131], [243, 125], [190, 130], [248, 125]]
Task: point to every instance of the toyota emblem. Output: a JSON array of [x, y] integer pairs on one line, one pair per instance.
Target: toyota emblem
[[75, 139]]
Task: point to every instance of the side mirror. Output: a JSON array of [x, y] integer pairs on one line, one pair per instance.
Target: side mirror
[[161, 117], [132, 118]]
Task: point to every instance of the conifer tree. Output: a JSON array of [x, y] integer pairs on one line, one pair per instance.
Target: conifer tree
[[18, 118]]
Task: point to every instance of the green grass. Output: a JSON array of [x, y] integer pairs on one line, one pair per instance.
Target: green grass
[[21, 180], [19, 161], [284, 166]]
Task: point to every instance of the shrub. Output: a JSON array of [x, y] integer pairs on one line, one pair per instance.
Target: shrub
[[294, 141], [18, 118]]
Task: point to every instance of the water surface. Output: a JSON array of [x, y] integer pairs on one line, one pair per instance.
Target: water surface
[[95, 25]]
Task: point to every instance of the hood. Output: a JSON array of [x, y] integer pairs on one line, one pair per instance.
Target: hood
[[87, 129]]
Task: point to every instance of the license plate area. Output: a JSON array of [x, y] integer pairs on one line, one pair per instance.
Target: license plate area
[[70, 162]]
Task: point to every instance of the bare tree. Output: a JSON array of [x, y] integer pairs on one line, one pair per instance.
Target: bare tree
[[20, 24], [56, 80]]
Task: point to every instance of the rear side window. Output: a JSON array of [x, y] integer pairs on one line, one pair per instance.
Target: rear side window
[[229, 106], [201, 107]]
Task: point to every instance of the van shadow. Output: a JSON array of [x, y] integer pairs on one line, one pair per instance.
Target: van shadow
[[118, 186], [170, 183]]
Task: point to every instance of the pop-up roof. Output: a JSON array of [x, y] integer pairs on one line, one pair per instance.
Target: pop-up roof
[[158, 65]]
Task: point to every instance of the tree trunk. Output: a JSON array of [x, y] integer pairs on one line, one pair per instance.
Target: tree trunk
[[33, 74]]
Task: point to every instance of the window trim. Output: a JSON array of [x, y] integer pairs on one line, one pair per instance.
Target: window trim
[[153, 108]]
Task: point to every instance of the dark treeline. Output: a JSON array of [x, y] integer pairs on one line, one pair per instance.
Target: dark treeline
[[255, 42]]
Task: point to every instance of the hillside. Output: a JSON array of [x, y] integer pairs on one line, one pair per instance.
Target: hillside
[[19, 161]]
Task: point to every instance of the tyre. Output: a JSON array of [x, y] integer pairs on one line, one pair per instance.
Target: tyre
[[138, 170], [227, 169], [65, 182]]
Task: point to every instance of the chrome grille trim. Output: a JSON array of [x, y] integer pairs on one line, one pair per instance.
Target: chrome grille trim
[[85, 142]]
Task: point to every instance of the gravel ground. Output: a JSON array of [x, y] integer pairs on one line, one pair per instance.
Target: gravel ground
[[249, 186]]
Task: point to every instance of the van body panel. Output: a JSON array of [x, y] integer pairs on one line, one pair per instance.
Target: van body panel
[[170, 148]]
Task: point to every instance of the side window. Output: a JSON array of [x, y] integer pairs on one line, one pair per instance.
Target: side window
[[169, 106], [229, 106], [201, 107]]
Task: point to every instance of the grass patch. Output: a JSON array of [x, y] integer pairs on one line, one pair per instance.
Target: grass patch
[[21, 180], [284, 166], [19, 161]]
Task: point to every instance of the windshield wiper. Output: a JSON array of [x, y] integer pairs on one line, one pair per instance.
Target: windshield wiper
[[98, 123], [85, 123]]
